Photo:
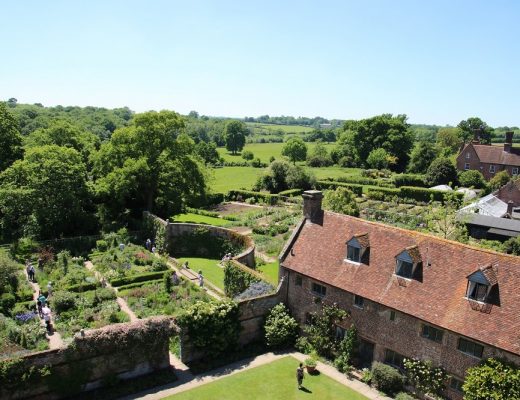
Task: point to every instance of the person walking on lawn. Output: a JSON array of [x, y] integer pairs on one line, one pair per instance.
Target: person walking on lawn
[[299, 375]]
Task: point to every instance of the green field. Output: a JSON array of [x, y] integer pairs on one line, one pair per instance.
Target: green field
[[264, 151], [200, 219], [270, 271], [276, 381], [258, 128], [209, 267]]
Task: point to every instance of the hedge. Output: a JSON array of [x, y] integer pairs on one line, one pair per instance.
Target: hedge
[[382, 193], [363, 181], [268, 198], [410, 193], [82, 287], [138, 284], [356, 189], [137, 278], [409, 180], [291, 192]]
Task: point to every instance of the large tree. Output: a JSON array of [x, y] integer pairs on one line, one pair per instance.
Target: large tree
[[147, 165], [441, 172], [475, 126], [383, 131], [10, 138], [341, 200], [295, 149], [449, 140], [421, 157], [235, 133]]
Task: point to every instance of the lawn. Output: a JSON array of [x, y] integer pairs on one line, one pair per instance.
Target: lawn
[[276, 380], [274, 127], [270, 271], [228, 178], [200, 219], [209, 267]]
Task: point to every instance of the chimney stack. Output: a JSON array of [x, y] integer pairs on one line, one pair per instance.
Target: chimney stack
[[509, 142], [312, 206], [510, 207]]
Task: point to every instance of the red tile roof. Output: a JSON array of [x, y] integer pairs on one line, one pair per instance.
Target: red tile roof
[[319, 252], [496, 155]]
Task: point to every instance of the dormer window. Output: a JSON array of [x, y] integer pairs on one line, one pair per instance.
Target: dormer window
[[480, 284], [357, 249], [407, 262], [468, 155]]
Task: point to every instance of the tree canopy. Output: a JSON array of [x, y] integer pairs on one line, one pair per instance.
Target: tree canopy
[[422, 156], [10, 138], [341, 200], [295, 149], [235, 133], [474, 125]]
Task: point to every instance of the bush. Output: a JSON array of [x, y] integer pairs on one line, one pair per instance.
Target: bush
[[472, 178], [382, 194], [441, 172], [241, 195], [247, 155], [499, 180], [378, 159], [281, 329], [409, 180], [425, 377], [102, 245], [492, 379], [7, 302], [254, 290], [404, 396], [82, 287], [386, 378], [346, 350], [426, 195], [303, 345], [63, 301], [236, 279], [512, 246], [291, 192], [137, 278], [356, 189]]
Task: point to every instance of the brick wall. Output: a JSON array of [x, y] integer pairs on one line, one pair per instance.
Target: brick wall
[[509, 192], [402, 335]]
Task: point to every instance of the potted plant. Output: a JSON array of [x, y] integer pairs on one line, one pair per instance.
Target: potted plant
[[310, 364]]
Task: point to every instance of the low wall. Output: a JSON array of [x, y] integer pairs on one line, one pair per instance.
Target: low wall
[[120, 351], [177, 229]]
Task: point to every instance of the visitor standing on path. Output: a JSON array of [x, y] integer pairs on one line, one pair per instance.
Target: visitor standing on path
[[299, 375], [30, 271], [47, 318], [201, 279], [42, 299], [49, 289]]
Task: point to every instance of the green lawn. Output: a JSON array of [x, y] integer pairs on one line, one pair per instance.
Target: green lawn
[[274, 127], [276, 380], [200, 219], [210, 270], [228, 178], [270, 271]]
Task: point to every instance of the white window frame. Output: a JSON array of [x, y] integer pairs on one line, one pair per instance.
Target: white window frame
[[492, 169], [359, 299], [466, 166], [468, 155], [514, 171], [472, 287]]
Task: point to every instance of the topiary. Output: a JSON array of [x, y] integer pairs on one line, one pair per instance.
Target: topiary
[[386, 378]]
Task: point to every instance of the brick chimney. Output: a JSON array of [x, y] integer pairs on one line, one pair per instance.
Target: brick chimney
[[509, 142], [312, 206], [510, 207]]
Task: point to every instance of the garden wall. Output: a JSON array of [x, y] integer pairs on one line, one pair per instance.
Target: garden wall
[[100, 356], [252, 315], [172, 230]]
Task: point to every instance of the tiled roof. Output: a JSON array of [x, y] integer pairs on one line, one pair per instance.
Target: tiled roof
[[496, 154], [438, 298], [362, 239], [490, 274]]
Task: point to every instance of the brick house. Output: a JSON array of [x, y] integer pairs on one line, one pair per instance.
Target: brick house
[[490, 159], [409, 294]]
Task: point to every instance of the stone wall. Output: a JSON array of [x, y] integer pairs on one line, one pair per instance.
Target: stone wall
[[373, 322], [120, 351]]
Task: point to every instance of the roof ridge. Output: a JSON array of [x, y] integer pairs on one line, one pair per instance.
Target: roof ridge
[[426, 235]]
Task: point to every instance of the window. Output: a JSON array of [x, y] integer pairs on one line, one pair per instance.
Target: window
[[392, 315], [429, 332], [340, 332], [393, 358], [477, 291], [353, 253], [471, 348], [298, 280], [456, 384], [404, 269], [320, 290], [466, 166], [515, 171], [359, 301], [468, 155], [492, 169]]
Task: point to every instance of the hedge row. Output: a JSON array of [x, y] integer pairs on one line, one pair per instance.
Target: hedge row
[[137, 278], [268, 198], [356, 189], [412, 193], [291, 192], [139, 284], [211, 214], [409, 180], [363, 181]]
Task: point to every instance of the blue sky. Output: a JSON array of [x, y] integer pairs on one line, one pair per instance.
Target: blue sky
[[437, 61]]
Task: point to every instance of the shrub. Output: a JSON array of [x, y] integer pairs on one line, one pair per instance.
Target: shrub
[[441, 172], [346, 350], [247, 155], [254, 290], [512, 246], [311, 362], [382, 194], [102, 245], [499, 180], [387, 378], [404, 396], [341, 200], [242, 195], [167, 281], [302, 345], [63, 301], [291, 192], [409, 180], [492, 379], [7, 302], [281, 329], [136, 278], [425, 377], [472, 178], [378, 159], [257, 163], [321, 333], [355, 188], [236, 279], [82, 287]]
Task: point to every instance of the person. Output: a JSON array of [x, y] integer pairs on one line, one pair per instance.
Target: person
[[39, 307], [42, 299], [49, 289], [103, 282], [31, 272], [201, 279], [40, 263], [175, 278], [153, 249], [121, 246], [148, 244], [299, 375], [47, 318], [185, 265]]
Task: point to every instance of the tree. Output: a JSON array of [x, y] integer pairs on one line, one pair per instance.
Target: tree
[[235, 133], [295, 149], [512, 246], [421, 157], [319, 156], [10, 138], [449, 140], [148, 166], [499, 180], [443, 221], [55, 180], [321, 333], [441, 172], [378, 159], [208, 152], [282, 176], [341, 200], [383, 131], [474, 125], [247, 155], [472, 178], [281, 329], [492, 379]]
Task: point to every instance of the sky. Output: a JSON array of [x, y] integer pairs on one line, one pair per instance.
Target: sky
[[438, 62]]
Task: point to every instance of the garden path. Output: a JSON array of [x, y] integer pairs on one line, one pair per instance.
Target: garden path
[[55, 340], [182, 385]]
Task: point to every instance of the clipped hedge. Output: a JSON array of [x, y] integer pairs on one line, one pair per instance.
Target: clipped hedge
[[291, 192], [363, 181], [424, 194], [409, 180], [386, 378], [383, 194], [137, 278], [268, 198], [355, 188], [138, 284], [82, 287]]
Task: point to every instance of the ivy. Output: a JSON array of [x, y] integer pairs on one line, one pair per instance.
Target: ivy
[[492, 379], [16, 374], [425, 377], [237, 280], [212, 327]]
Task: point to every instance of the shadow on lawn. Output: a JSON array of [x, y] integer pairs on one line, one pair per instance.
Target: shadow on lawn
[[305, 390]]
